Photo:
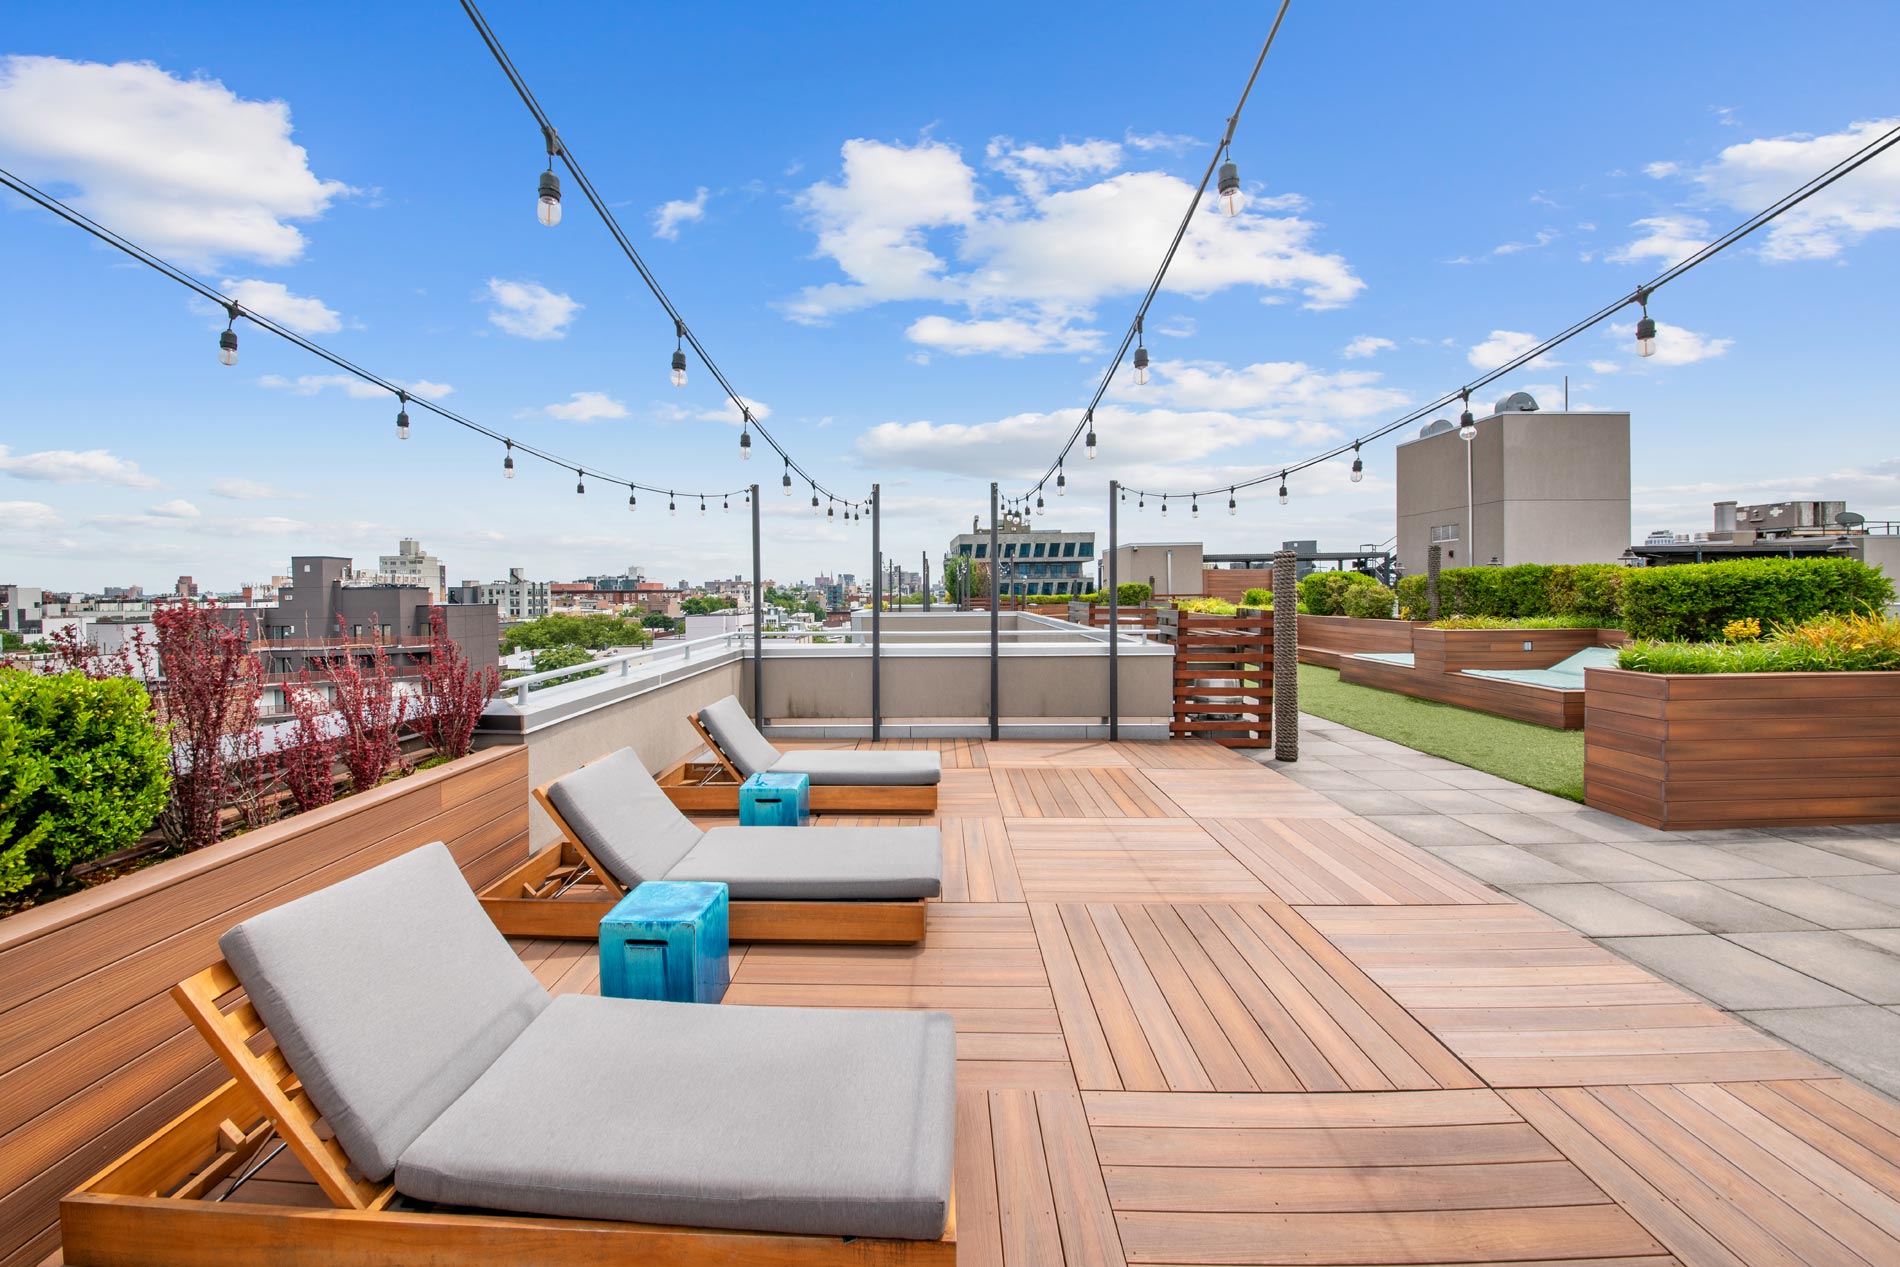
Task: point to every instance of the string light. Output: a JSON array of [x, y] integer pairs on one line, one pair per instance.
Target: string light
[[679, 353], [508, 461], [814, 499], [830, 511], [726, 503], [1141, 356], [702, 507], [1233, 507], [1467, 425], [580, 482], [1038, 497], [1091, 440], [1194, 507], [1062, 482], [1645, 326], [1358, 466], [633, 499], [1164, 505], [402, 415], [227, 342], [745, 439], [548, 199], [1230, 199], [786, 482], [1283, 493], [672, 508]]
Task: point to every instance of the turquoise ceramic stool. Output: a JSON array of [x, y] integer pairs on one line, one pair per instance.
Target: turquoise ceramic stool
[[775, 800], [666, 940]]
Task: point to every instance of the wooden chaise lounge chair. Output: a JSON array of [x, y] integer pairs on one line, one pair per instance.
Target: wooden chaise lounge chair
[[843, 781], [818, 883], [456, 1115]]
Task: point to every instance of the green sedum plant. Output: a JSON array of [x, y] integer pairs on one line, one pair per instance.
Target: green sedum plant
[[1513, 622], [1258, 598], [83, 773]]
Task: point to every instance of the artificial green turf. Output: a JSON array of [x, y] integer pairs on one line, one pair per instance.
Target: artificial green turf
[[1536, 756]]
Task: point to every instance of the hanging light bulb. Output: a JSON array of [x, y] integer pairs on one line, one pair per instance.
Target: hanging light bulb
[[1090, 444], [1231, 200], [726, 503], [227, 342], [679, 353], [702, 506], [1062, 482], [633, 498], [745, 441], [814, 499], [786, 483], [830, 511], [672, 507], [508, 461], [580, 483], [1645, 327], [1358, 467], [1141, 356], [1232, 508], [1194, 508], [1283, 493], [1164, 503], [402, 416], [548, 205], [1467, 425], [1038, 497]]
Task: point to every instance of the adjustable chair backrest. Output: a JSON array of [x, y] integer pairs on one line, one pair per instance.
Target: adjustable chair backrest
[[734, 735], [388, 994], [620, 818]]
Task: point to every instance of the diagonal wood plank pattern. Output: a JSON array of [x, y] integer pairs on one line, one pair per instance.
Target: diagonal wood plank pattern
[[1205, 1016]]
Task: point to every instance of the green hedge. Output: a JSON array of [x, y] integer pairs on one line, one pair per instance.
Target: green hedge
[[1324, 593], [83, 773], [1688, 601], [1367, 602]]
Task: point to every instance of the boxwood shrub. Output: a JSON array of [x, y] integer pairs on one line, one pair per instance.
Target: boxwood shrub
[[83, 773], [1687, 601], [1324, 593]]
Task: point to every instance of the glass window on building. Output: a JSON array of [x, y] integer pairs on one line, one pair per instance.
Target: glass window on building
[[1068, 549], [1009, 549], [1087, 550], [1039, 548], [1444, 532], [965, 548], [982, 549]]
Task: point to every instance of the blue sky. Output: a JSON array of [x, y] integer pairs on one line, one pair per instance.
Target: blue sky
[[922, 230]]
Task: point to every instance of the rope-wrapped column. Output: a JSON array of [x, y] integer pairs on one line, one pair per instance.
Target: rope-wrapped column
[[1431, 579], [1286, 657]]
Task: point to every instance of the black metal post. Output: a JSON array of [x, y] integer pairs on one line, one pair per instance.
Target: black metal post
[[926, 575], [758, 618], [1114, 619], [877, 601], [996, 574]]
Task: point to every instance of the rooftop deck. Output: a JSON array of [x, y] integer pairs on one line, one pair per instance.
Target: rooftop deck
[[1205, 1015]]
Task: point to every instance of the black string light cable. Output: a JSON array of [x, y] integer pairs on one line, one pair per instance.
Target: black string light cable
[[228, 348], [1230, 200], [1645, 329], [557, 147]]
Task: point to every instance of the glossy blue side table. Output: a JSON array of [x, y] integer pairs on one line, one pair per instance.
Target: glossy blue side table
[[775, 800], [667, 940]]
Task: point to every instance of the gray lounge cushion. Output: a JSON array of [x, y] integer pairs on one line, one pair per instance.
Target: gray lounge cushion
[[737, 737], [799, 1120], [882, 769], [390, 993], [623, 818], [819, 864]]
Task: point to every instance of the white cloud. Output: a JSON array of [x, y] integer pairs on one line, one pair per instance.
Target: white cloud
[[1668, 238], [1268, 385], [311, 384], [1873, 490], [670, 215], [1544, 238], [176, 508], [529, 309], [1034, 168], [1503, 346], [1604, 367], [305, 314], [727, 412], [69, 466], [241, 490], [909, 223], [1148, 141], [27, 516], [586, 407], [184, 166], [1006, 336], [1755, 173], [1178, 326], [1656, 171], [1674, 345], [1366, 345]]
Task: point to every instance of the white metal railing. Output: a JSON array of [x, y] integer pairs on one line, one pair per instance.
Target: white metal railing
[[645, 657]]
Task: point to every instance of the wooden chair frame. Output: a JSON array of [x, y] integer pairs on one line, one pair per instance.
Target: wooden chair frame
[[527, 903], [157, 1205], [712, 787]]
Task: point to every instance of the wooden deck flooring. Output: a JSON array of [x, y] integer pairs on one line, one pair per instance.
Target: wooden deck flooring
[[1204, 1016]]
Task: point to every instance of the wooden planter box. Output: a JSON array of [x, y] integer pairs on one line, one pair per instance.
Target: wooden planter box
[[95, 1055], [1324, 640], [1700, 750]]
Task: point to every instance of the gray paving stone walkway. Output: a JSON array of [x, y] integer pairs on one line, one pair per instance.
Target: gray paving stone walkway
[[1795, 930]]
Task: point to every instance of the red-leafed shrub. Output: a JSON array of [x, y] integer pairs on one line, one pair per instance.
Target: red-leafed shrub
[[372, 710], [454, 692], [209, 690], [306, 760]]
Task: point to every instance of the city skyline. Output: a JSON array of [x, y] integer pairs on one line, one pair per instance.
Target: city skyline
[[915, 270]]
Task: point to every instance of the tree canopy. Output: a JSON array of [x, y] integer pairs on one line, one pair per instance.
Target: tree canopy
[[593, 630]]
